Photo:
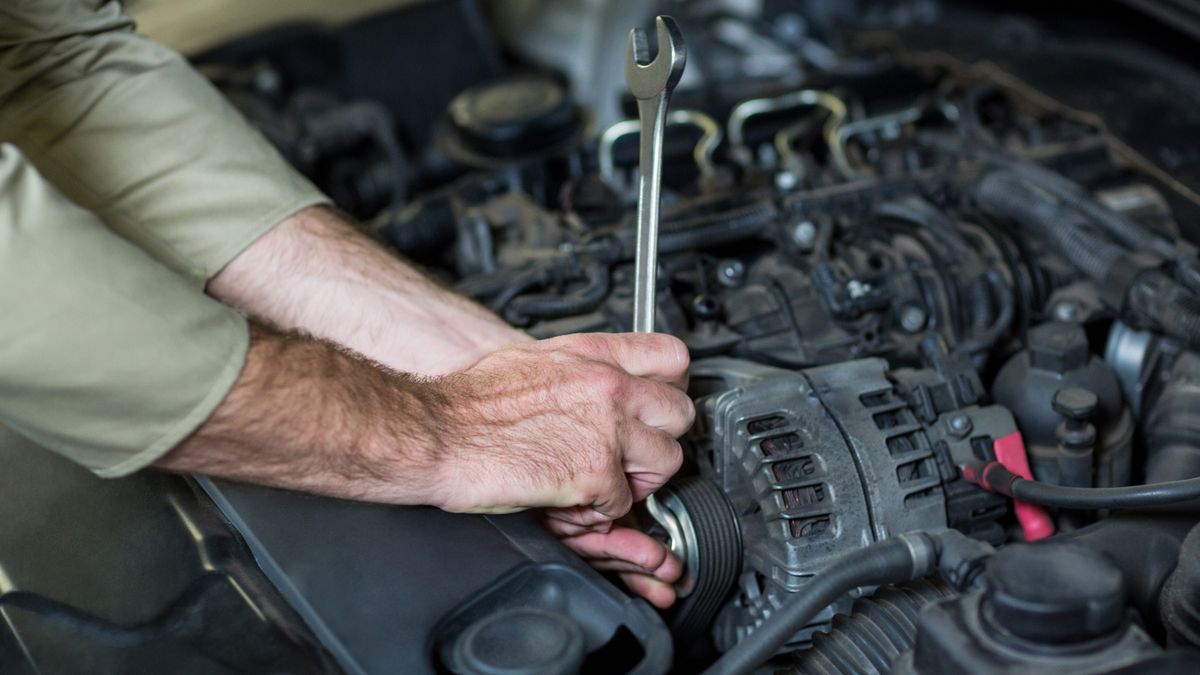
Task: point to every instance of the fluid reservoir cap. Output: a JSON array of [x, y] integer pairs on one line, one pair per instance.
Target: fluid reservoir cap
[[1055, 592], [514, 116], [521, 641]]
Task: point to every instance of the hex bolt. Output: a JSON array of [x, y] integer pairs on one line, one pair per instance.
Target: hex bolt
[[804, 234], [857, 289], [912, 318], [731, 272], [1067, 310], [960, 425], [1058, 346]]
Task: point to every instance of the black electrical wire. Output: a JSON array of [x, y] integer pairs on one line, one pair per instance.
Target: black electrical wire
[[995, 477], [886, 562]]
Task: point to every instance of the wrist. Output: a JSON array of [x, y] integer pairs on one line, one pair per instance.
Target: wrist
[[412, 441]]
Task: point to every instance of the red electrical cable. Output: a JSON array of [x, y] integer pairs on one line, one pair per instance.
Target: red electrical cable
[[1010, 452]]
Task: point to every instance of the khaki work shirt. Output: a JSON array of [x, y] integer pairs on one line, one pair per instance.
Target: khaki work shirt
[[126, 182]]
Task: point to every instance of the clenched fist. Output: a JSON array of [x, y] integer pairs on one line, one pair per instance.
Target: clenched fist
[[582, 424]]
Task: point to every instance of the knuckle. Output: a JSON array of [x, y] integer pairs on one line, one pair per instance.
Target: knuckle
[[591, 487], [606, 465], [603, 462], [607, 381], [590, 344], [620, 499]]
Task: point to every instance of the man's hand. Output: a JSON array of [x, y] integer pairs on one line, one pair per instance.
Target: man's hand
[[644, 564], [584, 424]]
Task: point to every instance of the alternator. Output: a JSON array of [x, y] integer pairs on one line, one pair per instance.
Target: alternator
[[824, 460]]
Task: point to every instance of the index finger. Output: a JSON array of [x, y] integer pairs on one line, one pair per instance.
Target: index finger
[[655, 356]]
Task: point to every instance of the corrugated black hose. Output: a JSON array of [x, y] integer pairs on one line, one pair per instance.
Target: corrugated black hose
[[1152, 299], [1007, 196], [891, 561]]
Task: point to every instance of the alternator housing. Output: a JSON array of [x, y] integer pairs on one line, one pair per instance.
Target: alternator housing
[[825, 460]]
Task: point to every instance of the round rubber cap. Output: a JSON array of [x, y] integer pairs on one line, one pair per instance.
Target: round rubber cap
[[1055, 592], [514, 116], [523, 641]]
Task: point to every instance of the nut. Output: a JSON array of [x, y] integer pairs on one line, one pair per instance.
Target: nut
[[960, 425]]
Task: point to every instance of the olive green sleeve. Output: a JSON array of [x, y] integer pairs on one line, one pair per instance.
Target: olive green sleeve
[[127, 129], [106, 356]]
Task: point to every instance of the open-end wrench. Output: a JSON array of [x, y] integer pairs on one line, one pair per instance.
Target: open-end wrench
[[651, 83]]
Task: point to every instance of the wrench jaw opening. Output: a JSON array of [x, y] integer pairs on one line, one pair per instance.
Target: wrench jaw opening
[[646, 77]]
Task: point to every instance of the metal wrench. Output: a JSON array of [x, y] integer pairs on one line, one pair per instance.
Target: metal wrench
[[651, 83]]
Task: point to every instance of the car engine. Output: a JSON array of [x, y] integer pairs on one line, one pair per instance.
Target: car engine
[[920, 255], [887, 264]]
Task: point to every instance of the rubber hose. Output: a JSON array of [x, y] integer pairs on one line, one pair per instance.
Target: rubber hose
[[1127, 231], [984, 341], [1167, 306], [886, 562], [487, 285], [1129, 497], [1004, 195], [1071, 193], [874, 634], [520, 284], [1164, 303], [920, 212], [547, 306], [427, 230], [995, 477], [982, 307]]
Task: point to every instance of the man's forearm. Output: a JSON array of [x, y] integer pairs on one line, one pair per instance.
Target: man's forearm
[[306, 415], [318, 273], [578, 422]]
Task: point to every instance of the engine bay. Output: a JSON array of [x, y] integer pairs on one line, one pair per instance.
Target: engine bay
[[888, 263], [909, 248]]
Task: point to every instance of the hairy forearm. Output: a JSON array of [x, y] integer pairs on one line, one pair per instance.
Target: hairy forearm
[[318, 273], [307, 415]]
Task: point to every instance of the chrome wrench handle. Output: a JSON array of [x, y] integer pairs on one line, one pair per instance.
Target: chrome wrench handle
[[651, 83]]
